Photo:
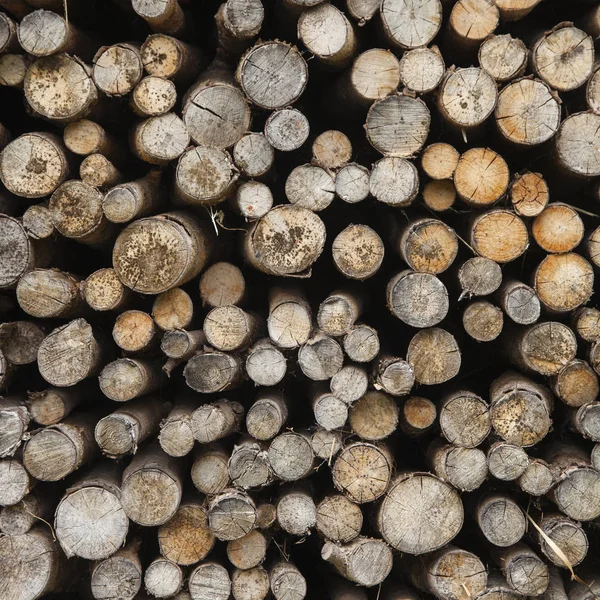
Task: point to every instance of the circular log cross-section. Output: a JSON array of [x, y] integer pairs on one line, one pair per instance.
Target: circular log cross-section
[[394, 181], [332, 149], [481, 177], [291, 456], [410, 25], [339, 519], [374, 416], [464, 419], [434, 355], [358, 252], [231, 515], [310, 187], [578, 144], [253, 155], [211, 371], [422, 69], [374, 74], [529, 194], [558, 228], [499, 235], [160, 140], [501, 520], [361, 343], [222, 284], [503, 56], [483, 321], [439, 161], [153, 96], [463, 468], [117, 69], [472, 21]]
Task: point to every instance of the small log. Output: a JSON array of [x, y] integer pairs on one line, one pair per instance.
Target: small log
[[210, 371], [374, 416], [103, 291], [500, 519], [575, 158], [151, 488], [289, 323], [296, 512], [585, 421], [464, 419], [21, 518], [163, 578], [14, 421], [46, 81], [463, 468], [394, 181], [34, 165], [338, 313], [238, 24], [527, 112], [176, 437], [253, 155], [471, 22], [467, 97], [350, 383], [486, 240], [392, 135], [358, 252], [330, 411], [249, 465], [69, 354], [160, 140], [576, 383], [13, 68], [352, 183], [422, 69], [231, 515], [20, 341], [229, 328], [479, 276], [361, 343], [439, 160], [567, 534], [253, 200], [163, 17], [291, 456], [417, 416], [553, 57], [408, 26], [209, 470], [85, 137], [129, 201], [309, 186], [222, 284], [251, 584], [558, 228], [520, 409], [186, 539], [249, 551], [153, 96], [362, 472], [125, 379], [439, 196], [287, 129], [506, 461], [170, 58], [434, 355], [529, 194], [15, 482], [209, 581], [266, 417], [134, 331], [537, 478], [96, 170], [182, 244], [121, 432], [483, 321], [526, 573], [520, 302], [321, 357], [332, 150], [272, 74], [90, 521], [56, 451], [450, 573], [362, 10], [503, 56], [37, 222], [365, 561], [417, 299], [211, 422], [287, 581], [119, 577], [173, 309], [586, 323], [339, 519], [393, 375], [481, 177]]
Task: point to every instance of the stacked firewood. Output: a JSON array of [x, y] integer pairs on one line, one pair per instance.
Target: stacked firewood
[[297, 299]]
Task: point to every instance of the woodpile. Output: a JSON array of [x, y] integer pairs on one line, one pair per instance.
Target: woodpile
[[297, 299]]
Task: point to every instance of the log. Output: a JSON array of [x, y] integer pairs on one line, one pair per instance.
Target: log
[[121, 432], [212, 422], [422, 69], [394, 181], [249, 465], [506, 461], [134, 331], [500, 519], [253, 200], [253, 155], [586, 323], [238, 24], [186, 539], [70, 354], [267, 416], [20, 341], [56, 451], [365, 561], [153, 96], [96, 170], [249, 551], [332, 150], [151, 487], [481, 177], [464, 419], [252, 584], [523, 569], [352, 183], [529, 194], [85, 137], [350, 383], [119, 577], [160, 140], [52, 405], [287, 129], [21, 518], [417, 299], [479, 276], [439, 160], [576, 383], [222, 284], [417, 416], [16, 482], [585, 421], [519, 302], [287, 581], [37, 222], [486, 240], [338, 313], [439, 196], [174, 239], [291, 456], [103, 291], [229, 328], [13, 68], [339, 519], [361, 343], [309, 186], [374, 416], [90, 521], [471, 22], [231, 515], [393, 375], [173, 309], [330, 411], [558, 228], [326, 444], [567, 534], [554, 59], [362, 10], [520, 409], [434, 355], [8, 34], [163, 578], [176, 437], [504, 57], [289, 323], [483, 321], [164, 17], [210, 371], [296, 512], [463, 468], [209, 470], [537, 478], [272, 74], [170, 58], [408, 26], [362, 472], [14, 421], [358, 252], [34, 165], [209, 581], [47, 81], [575, 158]]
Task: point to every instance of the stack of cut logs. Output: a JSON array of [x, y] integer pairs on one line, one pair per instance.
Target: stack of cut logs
[[296, 299]]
